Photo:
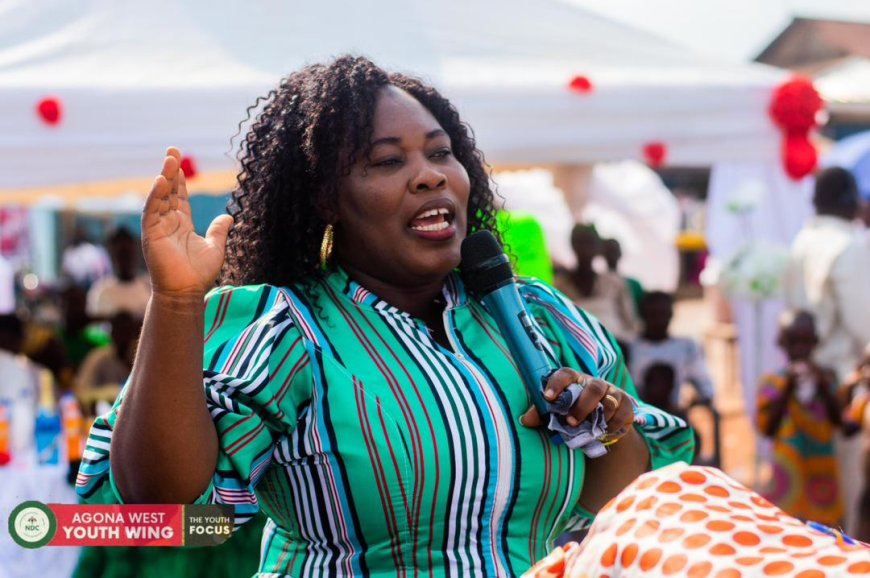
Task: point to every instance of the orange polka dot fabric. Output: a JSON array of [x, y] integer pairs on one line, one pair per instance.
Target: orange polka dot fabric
[[696, 522]]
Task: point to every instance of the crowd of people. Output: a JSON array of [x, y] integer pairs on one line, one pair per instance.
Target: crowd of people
[[344, 388], [828, 286], [100, 309], [814, 409], [88, 351]]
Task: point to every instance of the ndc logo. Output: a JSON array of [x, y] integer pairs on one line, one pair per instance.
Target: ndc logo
[[32, 524]]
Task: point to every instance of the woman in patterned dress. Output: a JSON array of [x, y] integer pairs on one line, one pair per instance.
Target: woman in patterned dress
[[349, 386]]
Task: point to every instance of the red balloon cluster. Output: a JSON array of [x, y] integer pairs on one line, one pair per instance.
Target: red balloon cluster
[[794, 109]]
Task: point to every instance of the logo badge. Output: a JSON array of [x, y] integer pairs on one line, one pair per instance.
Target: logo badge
[[32, 524]]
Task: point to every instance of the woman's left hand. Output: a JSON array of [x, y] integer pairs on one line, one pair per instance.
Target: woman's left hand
[[618, 407]]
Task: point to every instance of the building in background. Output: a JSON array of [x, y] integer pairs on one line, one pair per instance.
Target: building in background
[[836, 55]]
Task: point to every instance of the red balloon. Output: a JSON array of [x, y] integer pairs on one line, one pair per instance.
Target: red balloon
[[49, 110], [794, 105], [655, 153], [580, 84], [188, 167], [799, 156]]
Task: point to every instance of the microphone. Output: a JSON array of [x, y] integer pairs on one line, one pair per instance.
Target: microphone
[[487, 274]]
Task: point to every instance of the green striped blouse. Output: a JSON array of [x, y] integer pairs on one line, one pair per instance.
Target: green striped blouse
[[374, 450]]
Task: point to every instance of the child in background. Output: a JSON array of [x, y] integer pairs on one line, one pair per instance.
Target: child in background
[[657, 387], [798, 410], [857, 414], [657, 345], [601, 294], [611, 250]]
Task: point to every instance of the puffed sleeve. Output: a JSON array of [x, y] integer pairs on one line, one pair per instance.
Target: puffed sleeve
[[579, 341], [256, 374]]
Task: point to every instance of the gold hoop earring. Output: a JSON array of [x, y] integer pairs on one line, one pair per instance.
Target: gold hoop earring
[[326, 246]]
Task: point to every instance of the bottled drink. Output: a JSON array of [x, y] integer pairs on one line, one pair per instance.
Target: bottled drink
[[48, 425], [48, 430], [73, 425]]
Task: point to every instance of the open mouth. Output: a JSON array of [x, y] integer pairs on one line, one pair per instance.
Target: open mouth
[[432, 220]]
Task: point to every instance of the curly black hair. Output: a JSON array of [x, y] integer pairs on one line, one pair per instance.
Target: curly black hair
[[310, 131]]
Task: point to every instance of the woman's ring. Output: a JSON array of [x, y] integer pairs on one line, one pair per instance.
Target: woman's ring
[[612, 399]]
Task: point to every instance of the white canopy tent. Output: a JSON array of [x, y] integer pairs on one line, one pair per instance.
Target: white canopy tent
[[133, 77]]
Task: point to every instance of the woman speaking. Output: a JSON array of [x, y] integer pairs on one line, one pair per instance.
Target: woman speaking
[[341, 378]]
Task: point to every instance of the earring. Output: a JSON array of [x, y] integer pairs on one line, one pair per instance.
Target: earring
[[326, 246]]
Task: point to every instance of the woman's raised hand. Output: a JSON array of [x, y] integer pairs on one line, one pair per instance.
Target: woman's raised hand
[[180, 261]]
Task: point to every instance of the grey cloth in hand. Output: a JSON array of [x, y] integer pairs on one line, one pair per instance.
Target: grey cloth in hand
[[585, 435]]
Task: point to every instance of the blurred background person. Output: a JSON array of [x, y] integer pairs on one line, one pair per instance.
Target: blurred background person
[[611, 250], [657, 385], [127, 288], [603, 294], [798, 410], [106, 368], [84, 262], [63, 347], [7, 286], [857, 394], [656, 345], [829, 276], [79, 332], [19, 391]]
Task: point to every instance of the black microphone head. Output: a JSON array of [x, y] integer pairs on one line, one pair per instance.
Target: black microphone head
[[484, 265]]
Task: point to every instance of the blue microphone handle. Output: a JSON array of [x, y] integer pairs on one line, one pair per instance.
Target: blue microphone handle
[[525, 343]]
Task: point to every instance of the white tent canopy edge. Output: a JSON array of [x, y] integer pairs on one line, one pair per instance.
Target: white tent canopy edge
[[134, 77]]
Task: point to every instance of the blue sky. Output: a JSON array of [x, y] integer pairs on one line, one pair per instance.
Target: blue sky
[[735, 30]]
